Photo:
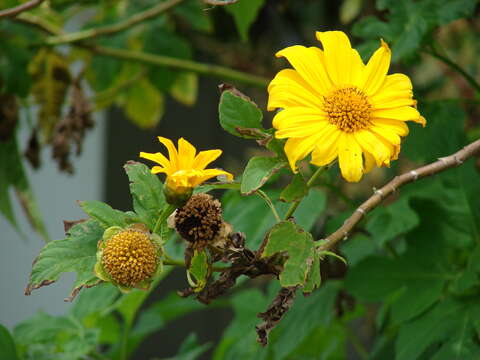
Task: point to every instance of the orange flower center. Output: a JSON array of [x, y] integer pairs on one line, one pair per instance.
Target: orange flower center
[[348, 109]]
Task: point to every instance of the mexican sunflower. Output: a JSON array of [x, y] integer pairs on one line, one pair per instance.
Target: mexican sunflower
[[185, 169], [331, 105]]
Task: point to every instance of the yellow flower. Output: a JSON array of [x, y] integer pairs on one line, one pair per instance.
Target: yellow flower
[[333, 105], [185, 169]]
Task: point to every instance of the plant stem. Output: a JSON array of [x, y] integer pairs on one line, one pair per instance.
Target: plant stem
[[182, 64], [454, 66], [12, 12], [163, 216], [115, 28], [269, 202], [310, 183]]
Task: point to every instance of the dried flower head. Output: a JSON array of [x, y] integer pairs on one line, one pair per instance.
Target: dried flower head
[[200, 219]]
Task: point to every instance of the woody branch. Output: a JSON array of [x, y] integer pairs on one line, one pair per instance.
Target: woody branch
[[436, 167]]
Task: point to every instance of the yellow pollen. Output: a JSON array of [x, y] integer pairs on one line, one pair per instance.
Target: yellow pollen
[[348, 109], [130, 257]]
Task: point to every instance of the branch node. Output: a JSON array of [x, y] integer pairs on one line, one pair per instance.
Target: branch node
[[378, 192], [414, 174], [443, 160], [360, 210]]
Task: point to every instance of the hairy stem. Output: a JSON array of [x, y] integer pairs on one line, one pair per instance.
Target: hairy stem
[[436, 167], [310, 183], [163, 216], [115, 28]]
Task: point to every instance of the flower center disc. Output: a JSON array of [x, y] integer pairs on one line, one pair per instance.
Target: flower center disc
[[348, 109]]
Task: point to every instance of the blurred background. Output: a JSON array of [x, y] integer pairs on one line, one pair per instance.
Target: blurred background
[[244, 38]]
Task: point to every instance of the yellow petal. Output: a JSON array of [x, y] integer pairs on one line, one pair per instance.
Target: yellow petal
[[376, 69], [211, 173], [186, 154], [350, 158], [158, 170], [344, 65], [326, 149], [387, 133], [172, 153], [157, 157], [309, 64], [288, 89], [399, 127], [205, 157], [395, 86], [404, 113], [299, 122], [368, 162], [298, 148], [372, 144]]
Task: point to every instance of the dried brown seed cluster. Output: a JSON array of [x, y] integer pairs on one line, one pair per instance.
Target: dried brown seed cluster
[[130, 257], [200, 219]]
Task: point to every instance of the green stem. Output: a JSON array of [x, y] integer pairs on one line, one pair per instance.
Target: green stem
[[470, 79], [310, 182], [182, 64], [269, 202], [163, 216], [115, 28]]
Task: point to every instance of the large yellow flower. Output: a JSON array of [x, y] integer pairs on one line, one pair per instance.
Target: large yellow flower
[[185, 169], [333, 105]]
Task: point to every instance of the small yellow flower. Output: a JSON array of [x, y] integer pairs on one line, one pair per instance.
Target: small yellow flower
[[333, 105], [185, 169]]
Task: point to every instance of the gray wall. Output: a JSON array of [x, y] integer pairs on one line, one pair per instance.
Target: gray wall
[[56, 195]]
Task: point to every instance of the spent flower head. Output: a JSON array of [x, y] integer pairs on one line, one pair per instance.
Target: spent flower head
[[185, 169], [334, 106]]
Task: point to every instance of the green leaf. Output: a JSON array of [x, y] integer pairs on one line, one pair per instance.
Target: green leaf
[[296, 190], [238, 111], [357, 248], [244, 14], [104, 214], [288, 238], [76, 253], [94, 301], [314, 278], [191, 349], [50, 337], [310, 209], [258, 171], [144, 104], [13, 175], [8, 350], [147, 192], [386, 223], [185, 88], [199, 268], [447, 319]]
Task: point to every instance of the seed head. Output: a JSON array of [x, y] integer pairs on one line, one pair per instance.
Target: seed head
[[200, 219]]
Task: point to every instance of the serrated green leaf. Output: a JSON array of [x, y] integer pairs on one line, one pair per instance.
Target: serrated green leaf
[[7, 345], [288, 238], [258, 170], [76, 253], [244, 14], [144, 104], [237, 111], [104, 214], [185, 88], [296, 190], [147, 192]]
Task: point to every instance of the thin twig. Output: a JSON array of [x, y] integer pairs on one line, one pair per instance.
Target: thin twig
[[269, 202], [115, 28], [182, 64], [12, 12], [442, 164], [219, 2]]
